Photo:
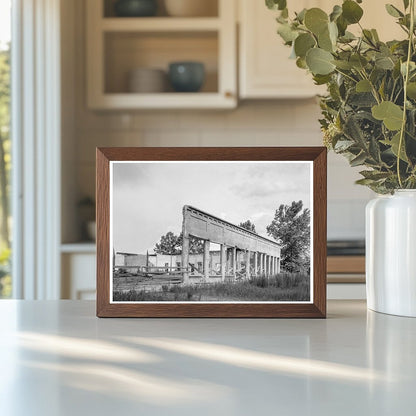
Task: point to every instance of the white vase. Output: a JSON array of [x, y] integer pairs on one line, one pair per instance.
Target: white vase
[[391, 253]]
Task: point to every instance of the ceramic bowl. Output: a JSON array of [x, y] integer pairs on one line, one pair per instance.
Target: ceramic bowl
[[147, 80], [135, 8], [186, 76]]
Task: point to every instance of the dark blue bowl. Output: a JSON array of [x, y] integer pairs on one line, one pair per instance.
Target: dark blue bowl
[[135, 8], [186, 76]]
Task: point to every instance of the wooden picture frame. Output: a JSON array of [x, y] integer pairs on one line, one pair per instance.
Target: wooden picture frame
[[314, 308]]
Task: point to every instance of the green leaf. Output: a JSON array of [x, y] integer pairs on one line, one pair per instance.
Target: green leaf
[[374, 174], [394, 145], [358, 61], [301, 15], [343, 145], [351, 11], [375, 35], [384, 62], [333, 32], [358, 160], [363, 86], [325, 42], [345, 65], [347, 37], [287, 33], [411, 90], [301, 63], [365, 182], [388, 112], [316, 20], [406, 4], [393, 11], [368, 36], [319, 61], [321, 79], [342, 25], [412, 67], [303, 43], [353, 131], [336, 12], [276, 4]]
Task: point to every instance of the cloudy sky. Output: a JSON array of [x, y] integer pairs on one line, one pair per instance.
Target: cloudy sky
[[148, 197]]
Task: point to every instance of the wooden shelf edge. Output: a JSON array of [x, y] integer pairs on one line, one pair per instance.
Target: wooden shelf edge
[[126, 101], [346, 264], [160, 24], [82, 247]]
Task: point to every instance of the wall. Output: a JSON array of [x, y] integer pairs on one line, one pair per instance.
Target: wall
[[256, 123]]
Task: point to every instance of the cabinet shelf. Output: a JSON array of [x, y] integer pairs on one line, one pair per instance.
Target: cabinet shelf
[[117, 45], [160, 24]]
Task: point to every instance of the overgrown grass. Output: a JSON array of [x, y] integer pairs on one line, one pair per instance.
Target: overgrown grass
[[282, 287]]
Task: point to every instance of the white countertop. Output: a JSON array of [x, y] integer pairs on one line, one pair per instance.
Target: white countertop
[[57, 358]]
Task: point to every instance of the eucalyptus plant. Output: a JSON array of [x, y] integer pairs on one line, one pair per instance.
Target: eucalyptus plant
[[369, 111]]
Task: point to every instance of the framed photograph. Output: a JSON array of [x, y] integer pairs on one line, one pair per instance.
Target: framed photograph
[[211, 232]]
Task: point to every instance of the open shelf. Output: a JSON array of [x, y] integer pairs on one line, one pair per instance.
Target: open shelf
[[127, 51], [119, 45]]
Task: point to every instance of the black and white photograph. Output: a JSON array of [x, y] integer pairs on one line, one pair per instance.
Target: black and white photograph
[[208, 231]]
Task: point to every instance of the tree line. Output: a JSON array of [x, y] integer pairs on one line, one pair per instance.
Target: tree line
[[290, 228]]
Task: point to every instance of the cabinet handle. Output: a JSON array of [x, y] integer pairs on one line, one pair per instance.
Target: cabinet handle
[[229, 94]]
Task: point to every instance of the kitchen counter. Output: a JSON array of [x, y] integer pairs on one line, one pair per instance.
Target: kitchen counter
[[57, 358]]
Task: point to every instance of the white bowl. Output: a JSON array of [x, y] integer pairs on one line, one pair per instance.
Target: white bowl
[[191, 8], [147, 80]]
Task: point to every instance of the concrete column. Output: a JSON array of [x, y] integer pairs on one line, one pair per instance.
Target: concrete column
[[278, 265], [223, 261], [261, 263], [255, 263], [206, 260], [234, 266], [264, 264], [248, 253], [269, 266], [273, 265], [185, 259]]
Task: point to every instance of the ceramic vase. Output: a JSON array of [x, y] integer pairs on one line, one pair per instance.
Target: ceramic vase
[[391, 253]]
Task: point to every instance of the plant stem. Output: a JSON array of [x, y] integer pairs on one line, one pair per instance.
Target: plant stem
[[346, 75], [406, 80]]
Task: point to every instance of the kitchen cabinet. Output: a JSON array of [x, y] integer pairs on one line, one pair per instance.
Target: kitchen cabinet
[[118, 45], [78, 262], [264, 65], [265, 70]]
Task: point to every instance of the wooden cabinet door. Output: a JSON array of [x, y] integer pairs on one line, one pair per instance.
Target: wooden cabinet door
[[265, 68], [266, 71]]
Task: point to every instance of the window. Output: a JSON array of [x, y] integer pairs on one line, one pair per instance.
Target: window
[[5, 159]]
